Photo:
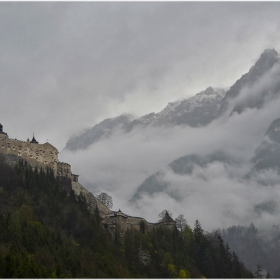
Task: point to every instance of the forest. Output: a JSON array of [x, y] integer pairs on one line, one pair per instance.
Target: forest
[[48, 232]]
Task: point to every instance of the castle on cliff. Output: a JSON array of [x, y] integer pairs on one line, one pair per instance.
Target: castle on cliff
[[40, 155], [46, 156], [120, 222]]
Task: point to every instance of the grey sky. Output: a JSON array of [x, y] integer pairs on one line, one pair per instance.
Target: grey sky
[[66, 66]]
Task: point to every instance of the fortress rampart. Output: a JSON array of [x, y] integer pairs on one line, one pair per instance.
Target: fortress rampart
[[44, 155], [118, 221]]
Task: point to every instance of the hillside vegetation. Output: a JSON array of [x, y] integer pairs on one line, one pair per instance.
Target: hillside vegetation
[[256, 246], [49, 233]]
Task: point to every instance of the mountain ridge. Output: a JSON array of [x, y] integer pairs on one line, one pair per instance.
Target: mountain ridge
[[267, 154], [265, 63], [196, 111]]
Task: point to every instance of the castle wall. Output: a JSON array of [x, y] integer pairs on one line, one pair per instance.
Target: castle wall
[[43, 154], [64, 170], [122, 223], [46, 155]]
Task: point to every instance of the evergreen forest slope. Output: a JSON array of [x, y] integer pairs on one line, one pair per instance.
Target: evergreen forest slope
[[49, 233]]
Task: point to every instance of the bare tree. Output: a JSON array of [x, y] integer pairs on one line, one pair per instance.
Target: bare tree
[[105, 199], [181, 222], [161, 215]]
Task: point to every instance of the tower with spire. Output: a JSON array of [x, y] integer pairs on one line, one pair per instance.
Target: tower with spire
[[2, 133], [34, 140]]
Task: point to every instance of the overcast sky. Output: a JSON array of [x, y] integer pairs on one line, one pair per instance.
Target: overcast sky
[[66, 66]]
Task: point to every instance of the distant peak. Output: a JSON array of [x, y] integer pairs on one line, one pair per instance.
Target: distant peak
[[273, 131], [269, 56], [207, 91], [274, 126], [271, 51], [266, 61]]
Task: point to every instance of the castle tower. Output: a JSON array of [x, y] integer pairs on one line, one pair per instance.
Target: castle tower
[[2, 133], [37, 155], [34, 140]]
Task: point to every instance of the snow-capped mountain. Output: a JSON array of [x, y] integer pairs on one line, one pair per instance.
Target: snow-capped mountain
[[260, 85], [213, 171], [195, 111], [252, 90]]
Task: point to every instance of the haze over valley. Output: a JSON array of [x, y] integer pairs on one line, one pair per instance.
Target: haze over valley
[[203, 169], [160, 105]]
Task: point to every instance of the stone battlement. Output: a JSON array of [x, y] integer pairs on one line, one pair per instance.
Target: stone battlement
[[120, 222], [44, 155]]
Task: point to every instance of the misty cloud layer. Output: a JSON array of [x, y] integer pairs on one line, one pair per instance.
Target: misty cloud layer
[[217, 195], [67, 66]]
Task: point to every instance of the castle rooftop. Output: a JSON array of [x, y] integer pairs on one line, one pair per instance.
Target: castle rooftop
[[1, 130], [34, 140]]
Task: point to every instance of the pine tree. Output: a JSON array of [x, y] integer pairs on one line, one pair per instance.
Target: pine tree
[[258, 274]]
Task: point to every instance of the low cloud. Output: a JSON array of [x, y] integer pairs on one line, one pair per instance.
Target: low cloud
[[67, 66], [218, 199], [265, 90], [217, 195]]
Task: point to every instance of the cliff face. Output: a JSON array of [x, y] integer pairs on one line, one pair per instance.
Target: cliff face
[[91, 200]]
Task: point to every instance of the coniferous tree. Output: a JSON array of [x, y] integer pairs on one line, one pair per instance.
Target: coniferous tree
[[47, 233], [258, 274]]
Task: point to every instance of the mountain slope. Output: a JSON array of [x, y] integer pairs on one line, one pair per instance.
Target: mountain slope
[[195, 111], [268, 153], [253, 247], [185, 165], [267, 156], [268, 59], [100, 131], [260, 85]]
